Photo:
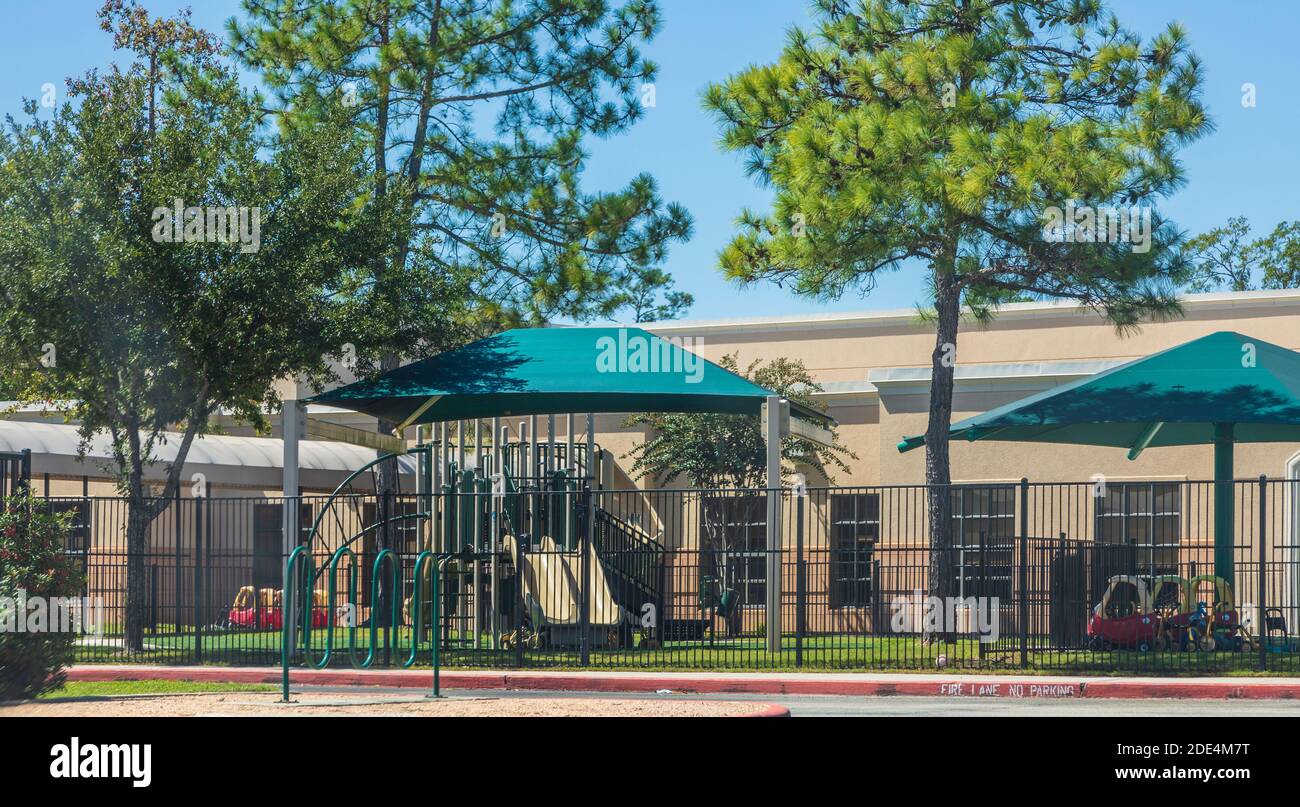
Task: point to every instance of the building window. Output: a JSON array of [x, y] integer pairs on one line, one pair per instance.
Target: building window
[[734, 545], [79, 538], [268, 549], [268, 526], [1139, 523], [855, 528], [984, 523]]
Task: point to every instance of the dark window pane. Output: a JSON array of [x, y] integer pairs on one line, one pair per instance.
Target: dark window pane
[[855, 525]]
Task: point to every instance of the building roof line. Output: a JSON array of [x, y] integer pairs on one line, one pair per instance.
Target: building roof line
[[968, 378], [910, 316], [57, 439]]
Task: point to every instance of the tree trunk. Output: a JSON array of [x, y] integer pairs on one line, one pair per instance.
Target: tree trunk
[[938, 473], [137, 535], [385, 506]]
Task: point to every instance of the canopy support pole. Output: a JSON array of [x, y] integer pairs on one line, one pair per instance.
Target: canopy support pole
[[1144, 440], [293, 421], [588, 545], [479, 509], [500, 436], [1224, 504], [772, 431]]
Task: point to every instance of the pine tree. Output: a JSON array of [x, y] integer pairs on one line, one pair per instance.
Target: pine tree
[[948, 133], [475, 114]]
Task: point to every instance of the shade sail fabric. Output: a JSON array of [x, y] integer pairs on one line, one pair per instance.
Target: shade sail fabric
[[1170, 398], [540, 371]]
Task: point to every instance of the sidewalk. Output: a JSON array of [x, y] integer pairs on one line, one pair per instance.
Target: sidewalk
[[853, 684]]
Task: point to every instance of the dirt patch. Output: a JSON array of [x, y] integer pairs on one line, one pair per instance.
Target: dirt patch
[[242, 704]]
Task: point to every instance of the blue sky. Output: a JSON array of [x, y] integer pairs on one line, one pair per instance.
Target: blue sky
[[1249, 166]]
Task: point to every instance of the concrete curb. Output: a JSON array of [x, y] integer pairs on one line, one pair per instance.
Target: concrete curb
[[857, 685]]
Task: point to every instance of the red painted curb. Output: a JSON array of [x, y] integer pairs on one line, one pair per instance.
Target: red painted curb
[[771, 710], [1175, 689], [956, 688]]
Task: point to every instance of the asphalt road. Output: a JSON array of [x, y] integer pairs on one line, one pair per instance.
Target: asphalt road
[[900, 706]]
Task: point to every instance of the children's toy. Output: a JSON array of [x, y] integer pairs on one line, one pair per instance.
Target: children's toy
[[1123, 617], [1170, 602], [1274, 634], [1219, 626], [266, 614]]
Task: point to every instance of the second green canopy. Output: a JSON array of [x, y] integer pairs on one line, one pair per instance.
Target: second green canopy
[[1224, 388]]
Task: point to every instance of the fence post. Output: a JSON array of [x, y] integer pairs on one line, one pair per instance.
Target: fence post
[[198, 579], [772, 435], [800, 572], [25, 472], [1261, 626], [153, 597], [178, 529], [1024, 572], [984, 580]]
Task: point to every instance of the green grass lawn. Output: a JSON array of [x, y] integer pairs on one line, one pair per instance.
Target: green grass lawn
[[108, 689], [749, 652]]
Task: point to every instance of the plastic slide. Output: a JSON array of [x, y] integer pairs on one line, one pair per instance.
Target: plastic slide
[[549, 577]]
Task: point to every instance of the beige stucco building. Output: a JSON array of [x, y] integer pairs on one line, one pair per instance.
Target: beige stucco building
[[875, 369]]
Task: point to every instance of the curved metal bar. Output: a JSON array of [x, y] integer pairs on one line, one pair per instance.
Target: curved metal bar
[[332, 598], [394, 621], [297, 556], [417, 619], [390, 520], [329, 500]]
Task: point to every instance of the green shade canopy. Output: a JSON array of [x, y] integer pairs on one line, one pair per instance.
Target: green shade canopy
[[541, 371], [1172, 398], [1222, 389]]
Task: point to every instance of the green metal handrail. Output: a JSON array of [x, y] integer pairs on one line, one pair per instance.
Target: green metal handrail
[[300, 558]]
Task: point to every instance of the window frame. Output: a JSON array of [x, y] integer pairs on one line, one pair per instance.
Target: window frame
[[1128, 515], [742, 557], [859, 557], [997, 573]]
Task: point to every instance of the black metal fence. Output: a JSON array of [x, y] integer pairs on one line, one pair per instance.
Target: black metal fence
[[15, 471], [1089, 577]]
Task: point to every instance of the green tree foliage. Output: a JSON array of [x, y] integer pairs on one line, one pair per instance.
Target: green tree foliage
[[1228, 258], [943, 132], [145, 335], [34, 568], [712, 451], [474, 113], [726, 455]]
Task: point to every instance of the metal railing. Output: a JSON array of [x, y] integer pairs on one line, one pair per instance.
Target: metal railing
[[1040, 576]]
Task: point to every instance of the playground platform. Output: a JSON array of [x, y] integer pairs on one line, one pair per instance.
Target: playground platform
[[844, 684]]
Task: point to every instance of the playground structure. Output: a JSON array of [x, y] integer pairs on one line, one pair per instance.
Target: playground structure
[[502, 553], [539, 497]]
